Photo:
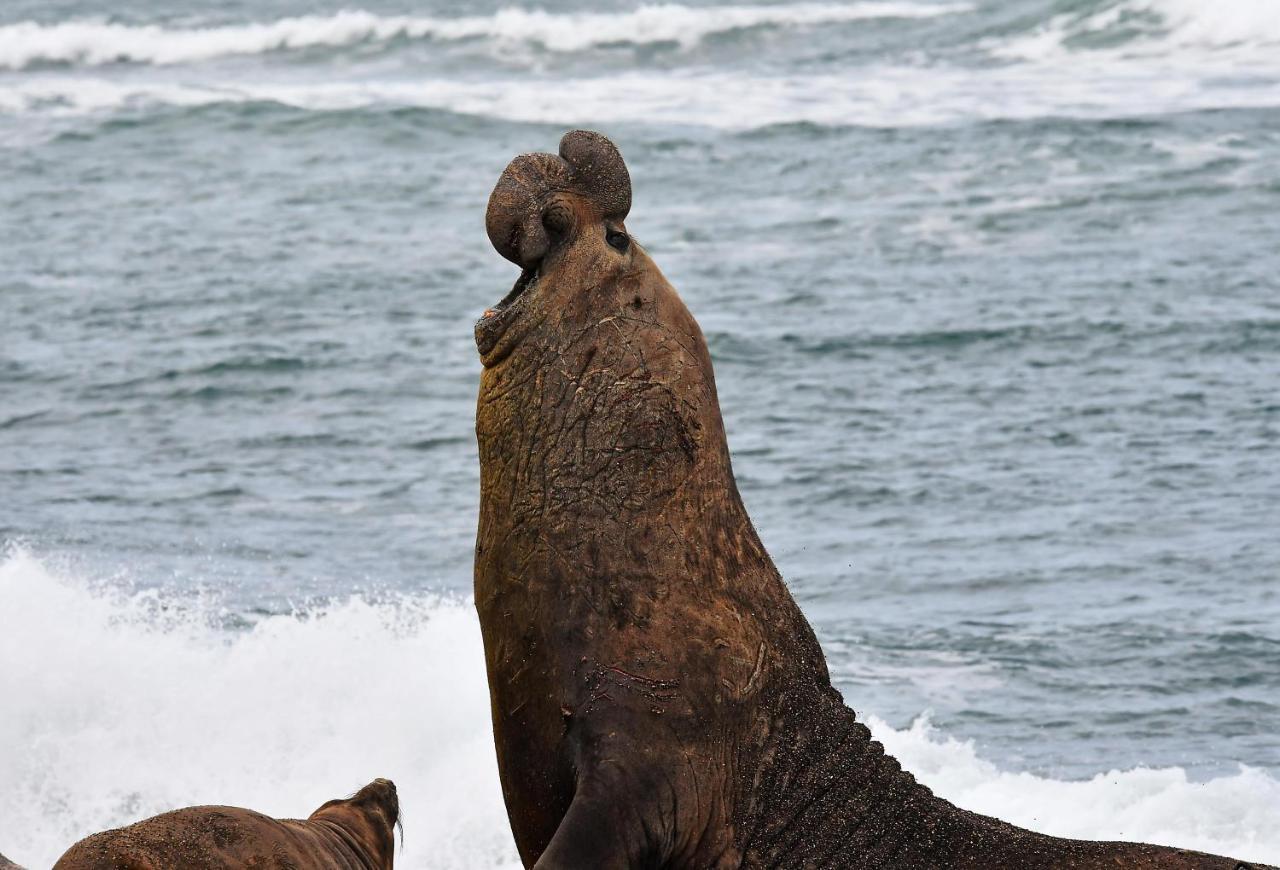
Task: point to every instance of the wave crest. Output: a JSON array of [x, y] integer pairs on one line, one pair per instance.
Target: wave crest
[[1188, 30], [887, 97], [93, 43]]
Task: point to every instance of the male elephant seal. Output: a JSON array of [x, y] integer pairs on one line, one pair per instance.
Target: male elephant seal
[[658, 699], [357, 833]]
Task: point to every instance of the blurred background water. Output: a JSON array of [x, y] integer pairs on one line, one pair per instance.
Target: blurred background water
[[991, 290]]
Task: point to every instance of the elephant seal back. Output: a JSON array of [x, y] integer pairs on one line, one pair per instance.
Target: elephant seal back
[[356, 832]]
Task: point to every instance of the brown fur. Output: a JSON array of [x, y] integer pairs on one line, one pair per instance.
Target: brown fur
[[353, 834], [658, 699]]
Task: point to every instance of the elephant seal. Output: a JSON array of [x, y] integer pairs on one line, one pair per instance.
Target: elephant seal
[[6, 864], [658, 698], [357, 833]]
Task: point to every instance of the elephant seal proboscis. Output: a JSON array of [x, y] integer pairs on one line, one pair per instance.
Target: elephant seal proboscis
[[658, 699], [357, 833]]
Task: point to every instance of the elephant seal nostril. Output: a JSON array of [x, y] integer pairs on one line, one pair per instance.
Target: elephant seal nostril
[[557, 218]]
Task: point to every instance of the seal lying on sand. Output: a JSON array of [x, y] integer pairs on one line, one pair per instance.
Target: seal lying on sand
[[658, 699], [353, 834]]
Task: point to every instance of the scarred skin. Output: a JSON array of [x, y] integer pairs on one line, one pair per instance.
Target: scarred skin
[[658, 699], [353, 834]]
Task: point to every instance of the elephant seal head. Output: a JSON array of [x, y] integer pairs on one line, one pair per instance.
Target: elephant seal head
[[560, 218], [592, 363], [370, 817]]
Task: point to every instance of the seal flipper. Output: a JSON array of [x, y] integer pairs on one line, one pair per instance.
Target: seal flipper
[[601, 831]]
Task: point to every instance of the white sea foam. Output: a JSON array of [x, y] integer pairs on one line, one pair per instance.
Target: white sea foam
[[1152, 57], [880, 96], [118, 705], [116, 708], [1223, 23], [93, 42], [1237, 815], [1229, 32], [1185, 57]]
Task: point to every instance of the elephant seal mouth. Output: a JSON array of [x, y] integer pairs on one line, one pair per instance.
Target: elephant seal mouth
[[495, 321]]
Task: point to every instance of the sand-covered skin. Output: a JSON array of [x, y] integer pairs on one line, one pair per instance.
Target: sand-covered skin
[[357, 833]]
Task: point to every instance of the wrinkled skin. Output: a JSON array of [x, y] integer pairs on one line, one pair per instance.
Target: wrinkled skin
[[658, 699], [353, 834]]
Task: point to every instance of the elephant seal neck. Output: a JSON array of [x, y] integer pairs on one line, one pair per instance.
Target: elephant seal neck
[[621, 586], [824, 789], [342, 839], [606, 444], [606, 482]]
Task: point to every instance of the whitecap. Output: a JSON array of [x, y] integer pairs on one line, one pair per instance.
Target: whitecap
[[96, 42], [880, 96]]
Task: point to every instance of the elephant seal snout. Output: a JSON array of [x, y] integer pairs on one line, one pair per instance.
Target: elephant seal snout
[[658, 698], [356, 832], [540, 200]]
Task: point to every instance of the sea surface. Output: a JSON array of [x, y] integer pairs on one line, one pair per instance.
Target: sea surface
[[992, 288]]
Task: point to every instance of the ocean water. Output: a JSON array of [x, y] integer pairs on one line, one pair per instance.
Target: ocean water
[[992, 292]]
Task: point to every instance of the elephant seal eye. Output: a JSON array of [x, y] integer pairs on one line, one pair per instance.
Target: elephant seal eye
[[617, 240]]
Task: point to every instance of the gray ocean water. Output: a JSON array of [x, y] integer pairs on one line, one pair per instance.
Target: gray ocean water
[[990, 287]]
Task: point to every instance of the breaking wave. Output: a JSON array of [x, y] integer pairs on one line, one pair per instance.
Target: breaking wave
[[1186, 30], [121, 704], [885, 97], [1139, 58], [1127, 59], [92, 43]]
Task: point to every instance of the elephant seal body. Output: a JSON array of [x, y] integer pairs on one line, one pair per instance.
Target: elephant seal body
[[658, 699], [353, 834]]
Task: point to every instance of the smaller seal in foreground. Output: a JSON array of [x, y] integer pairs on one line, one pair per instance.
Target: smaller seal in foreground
[[357, 833]]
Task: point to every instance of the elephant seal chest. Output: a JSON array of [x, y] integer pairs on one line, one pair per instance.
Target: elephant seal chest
[[658, 699]]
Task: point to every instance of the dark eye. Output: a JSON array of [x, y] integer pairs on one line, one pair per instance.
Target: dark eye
[[618, 241]]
